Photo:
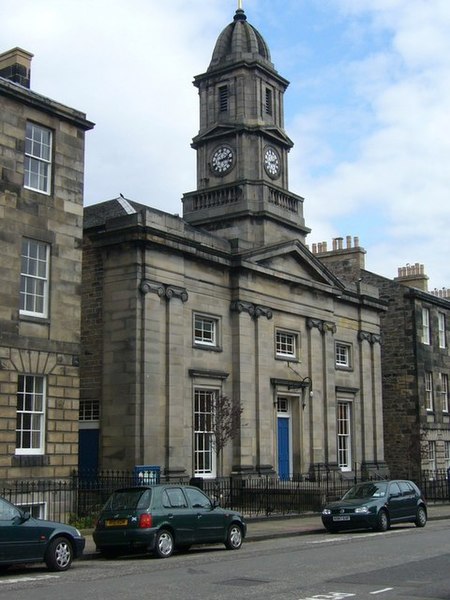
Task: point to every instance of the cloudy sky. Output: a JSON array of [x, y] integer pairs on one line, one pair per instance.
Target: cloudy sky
[[368, 106]]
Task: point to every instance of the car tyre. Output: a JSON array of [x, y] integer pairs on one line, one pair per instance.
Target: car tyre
[[421, 517], [164, 544], [382, 521], [234, 537], [59, 554]]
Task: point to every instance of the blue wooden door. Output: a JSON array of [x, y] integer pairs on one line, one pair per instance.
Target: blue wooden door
[[283, 448], [88, 451]]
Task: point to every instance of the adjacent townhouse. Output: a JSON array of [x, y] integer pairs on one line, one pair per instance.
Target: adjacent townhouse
[[415, 361], [41, 208]]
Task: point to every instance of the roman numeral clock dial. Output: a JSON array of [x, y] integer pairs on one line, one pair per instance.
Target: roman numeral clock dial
[[222, 160], [272, 163]]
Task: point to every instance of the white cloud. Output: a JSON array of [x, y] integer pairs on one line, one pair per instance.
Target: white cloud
[[401, 171], [367, 107]]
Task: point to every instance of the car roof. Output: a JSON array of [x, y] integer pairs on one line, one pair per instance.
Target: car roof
[[153, 486]]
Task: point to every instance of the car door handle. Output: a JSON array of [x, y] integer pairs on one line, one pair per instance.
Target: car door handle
[[199, 515], [170, 516]]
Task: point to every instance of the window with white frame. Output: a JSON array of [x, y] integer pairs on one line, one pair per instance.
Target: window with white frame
[[432, 458], [89, 410], [343, 355], [429, 390], [38, 157], [444, 392], [447, 454], [30, 422], [426, 331], [36, 510], [205, 330], [344, 435], [441, 327], [204, 454], [34, 278], [286, 343]]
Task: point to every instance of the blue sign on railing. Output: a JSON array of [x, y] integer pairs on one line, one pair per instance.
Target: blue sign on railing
[[147, 474]]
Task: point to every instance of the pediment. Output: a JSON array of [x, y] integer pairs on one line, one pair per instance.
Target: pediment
[[293, 260], [214, 132], [278, 135]]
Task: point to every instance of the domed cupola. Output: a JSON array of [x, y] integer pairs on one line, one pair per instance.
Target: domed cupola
[[239, 41], [242, 148]]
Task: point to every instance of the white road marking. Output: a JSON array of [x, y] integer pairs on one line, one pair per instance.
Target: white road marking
[[382, 591], [359, 536], [27, 579]]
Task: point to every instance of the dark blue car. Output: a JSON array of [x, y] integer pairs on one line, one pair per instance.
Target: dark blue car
[[376, 505], [24, 539]]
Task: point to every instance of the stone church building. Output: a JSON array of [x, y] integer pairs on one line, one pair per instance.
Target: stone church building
[[227, 300]]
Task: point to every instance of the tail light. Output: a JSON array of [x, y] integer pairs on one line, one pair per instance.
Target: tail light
[[145, 521]]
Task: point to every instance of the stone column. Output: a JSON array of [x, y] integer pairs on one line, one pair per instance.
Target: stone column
[[153, 372], [263, 391], [243, 341], [175, 378], [322, 411], [377, 402]]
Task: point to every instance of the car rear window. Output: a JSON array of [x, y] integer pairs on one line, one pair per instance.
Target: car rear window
[[129, 499]]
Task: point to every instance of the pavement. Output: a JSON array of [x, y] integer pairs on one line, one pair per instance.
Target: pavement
[[266, 528]]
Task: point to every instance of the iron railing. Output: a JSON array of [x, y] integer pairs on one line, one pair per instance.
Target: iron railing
[[80, 498]]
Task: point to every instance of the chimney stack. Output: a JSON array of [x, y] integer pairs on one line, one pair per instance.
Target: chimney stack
[[15, 65], [413, 276]]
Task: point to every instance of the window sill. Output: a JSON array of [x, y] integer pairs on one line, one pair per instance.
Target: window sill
[[207, 347], [34, 319], [30, 460]]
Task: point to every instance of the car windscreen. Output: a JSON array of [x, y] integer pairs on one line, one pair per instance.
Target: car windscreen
[[129, 499], [366, 490]]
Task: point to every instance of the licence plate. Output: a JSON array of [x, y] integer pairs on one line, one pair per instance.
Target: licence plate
[[116, 522], [342, 518]]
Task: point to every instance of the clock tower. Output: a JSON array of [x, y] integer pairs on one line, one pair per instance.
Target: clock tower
[[242, 149]]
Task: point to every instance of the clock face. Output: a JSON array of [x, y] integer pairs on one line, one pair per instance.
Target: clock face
[[272, 162], [222, 160]]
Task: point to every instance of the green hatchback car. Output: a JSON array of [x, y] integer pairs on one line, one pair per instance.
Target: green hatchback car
[[163, 518], [375, 505], [24, 539]]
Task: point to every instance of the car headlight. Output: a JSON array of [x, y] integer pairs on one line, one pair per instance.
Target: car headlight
[[362, 510], [326, 511]]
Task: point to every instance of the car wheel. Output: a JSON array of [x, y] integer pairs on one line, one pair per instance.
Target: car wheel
[[382, 521], [164, 544], [59, 554], [421, 517], [234, 537]]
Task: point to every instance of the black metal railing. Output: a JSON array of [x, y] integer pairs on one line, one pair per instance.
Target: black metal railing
[[79, 499]]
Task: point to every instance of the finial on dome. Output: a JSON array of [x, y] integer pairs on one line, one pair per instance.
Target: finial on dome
[[240, 5]]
